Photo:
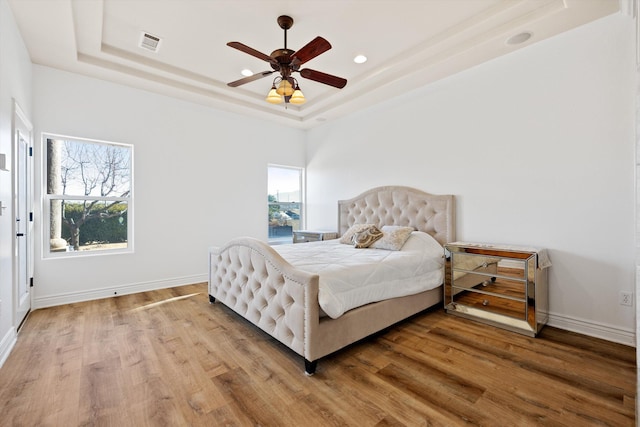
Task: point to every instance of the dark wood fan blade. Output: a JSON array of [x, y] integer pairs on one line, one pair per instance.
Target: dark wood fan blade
[[251, 51], [244, 80], [325, 78], [309, 51]]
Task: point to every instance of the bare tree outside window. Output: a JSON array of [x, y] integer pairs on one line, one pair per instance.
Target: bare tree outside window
[[89, 192]]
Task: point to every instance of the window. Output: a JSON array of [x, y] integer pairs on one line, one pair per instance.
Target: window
[[285, 203], [88, 202]]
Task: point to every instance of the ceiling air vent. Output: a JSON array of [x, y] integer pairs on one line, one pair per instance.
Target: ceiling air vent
[[150, 42]]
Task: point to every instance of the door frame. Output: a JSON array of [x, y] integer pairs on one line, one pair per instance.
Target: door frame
[[21, 125]]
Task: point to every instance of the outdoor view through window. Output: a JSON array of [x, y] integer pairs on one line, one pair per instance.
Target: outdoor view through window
[[88, 197], [285, 203]]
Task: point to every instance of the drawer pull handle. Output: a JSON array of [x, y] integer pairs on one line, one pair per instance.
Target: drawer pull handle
[[485, 302], [485, 265]]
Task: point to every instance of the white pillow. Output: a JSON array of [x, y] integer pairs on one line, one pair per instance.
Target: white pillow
[[393, 237], [420, 241]]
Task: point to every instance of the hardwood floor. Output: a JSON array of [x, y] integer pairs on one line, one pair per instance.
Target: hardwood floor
[[169, 358]]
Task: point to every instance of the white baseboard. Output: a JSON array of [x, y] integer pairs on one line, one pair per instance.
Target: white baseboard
[[597, 330], [7, 343], [582, 326], [73, 297]]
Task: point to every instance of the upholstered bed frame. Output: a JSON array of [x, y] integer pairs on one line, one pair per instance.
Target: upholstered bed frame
[[252, 279]]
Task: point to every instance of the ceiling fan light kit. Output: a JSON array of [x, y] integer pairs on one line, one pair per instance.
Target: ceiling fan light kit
[[285, 88]]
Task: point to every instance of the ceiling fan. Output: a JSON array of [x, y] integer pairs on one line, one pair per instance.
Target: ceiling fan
[[286, 61]]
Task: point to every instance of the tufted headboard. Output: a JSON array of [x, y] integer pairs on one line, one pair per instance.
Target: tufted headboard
[[397, 205]]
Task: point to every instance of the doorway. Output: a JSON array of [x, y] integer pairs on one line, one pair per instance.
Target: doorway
[[23, 215]]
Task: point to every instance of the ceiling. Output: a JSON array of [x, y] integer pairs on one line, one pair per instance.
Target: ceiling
[[408, 43]]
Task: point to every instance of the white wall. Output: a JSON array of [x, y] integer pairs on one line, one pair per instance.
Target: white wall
[[200, 179], [538, 147], [15, 84]]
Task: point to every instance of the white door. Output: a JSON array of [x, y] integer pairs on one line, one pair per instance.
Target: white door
[[23, 217]]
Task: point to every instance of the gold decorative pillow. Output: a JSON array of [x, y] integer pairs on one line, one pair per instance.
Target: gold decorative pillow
[[366, 237], [393, 237], [347, 238]]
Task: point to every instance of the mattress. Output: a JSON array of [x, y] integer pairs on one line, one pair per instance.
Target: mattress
[[351, 277]]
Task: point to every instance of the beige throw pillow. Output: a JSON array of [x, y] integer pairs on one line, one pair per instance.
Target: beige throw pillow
[[393, 237]]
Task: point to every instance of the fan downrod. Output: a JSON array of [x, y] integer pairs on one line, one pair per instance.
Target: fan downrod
[[283, 56]]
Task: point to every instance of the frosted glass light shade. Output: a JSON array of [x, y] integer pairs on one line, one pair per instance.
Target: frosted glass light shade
[[297, 97], [285, 88], [273, 97]]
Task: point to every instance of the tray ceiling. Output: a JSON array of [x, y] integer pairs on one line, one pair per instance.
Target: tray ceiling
[[408, 43]]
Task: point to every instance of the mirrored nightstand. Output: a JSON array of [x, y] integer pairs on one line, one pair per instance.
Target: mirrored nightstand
[[303, 236], [505, 286]]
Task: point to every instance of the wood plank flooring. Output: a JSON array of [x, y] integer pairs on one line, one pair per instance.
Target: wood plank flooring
[[169, 358]]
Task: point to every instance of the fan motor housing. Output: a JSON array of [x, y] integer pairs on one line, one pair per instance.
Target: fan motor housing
[[282, 57]]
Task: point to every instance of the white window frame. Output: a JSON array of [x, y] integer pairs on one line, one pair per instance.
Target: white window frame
[[47, 198]]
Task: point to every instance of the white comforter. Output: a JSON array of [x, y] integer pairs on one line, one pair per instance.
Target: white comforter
[[351, 277]]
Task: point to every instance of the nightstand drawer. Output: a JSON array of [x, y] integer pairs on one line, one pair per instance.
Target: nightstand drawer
[[497, 284], [500, 296], [488, 265], [491, 303]]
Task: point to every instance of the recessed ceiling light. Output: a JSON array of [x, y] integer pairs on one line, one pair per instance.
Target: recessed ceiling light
[[246, 72], [360, 59], [519, 38]]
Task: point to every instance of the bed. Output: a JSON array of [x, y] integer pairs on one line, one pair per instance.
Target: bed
[[255, 281]]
